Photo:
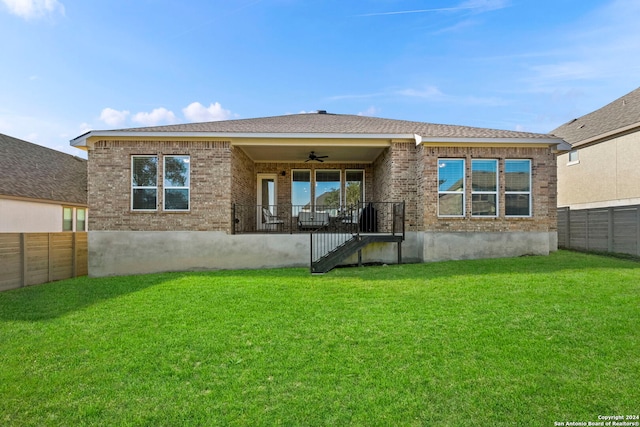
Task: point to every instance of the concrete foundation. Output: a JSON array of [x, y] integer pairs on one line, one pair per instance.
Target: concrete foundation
[[115, 253], [458, 245]]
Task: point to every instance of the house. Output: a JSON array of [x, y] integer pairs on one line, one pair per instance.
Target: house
[[599, 180], [601, 167], [194, 196], [41, 190]]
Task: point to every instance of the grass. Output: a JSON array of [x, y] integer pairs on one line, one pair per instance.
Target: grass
[[523, 341]]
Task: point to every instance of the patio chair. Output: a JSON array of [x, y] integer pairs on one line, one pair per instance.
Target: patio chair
[[271, 221], [351, 217], [313, 220]]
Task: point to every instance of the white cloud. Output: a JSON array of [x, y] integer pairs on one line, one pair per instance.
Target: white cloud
[[157, 117], [197, 112], [84, 128], [370, 112], [603, 46], [480, 6], [114, 117], [31, 9], [476, 6], [427, 92]]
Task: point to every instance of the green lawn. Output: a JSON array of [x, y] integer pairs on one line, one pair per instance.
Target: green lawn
[[525, 342]]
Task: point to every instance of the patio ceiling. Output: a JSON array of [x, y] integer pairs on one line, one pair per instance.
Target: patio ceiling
[[298, 152]]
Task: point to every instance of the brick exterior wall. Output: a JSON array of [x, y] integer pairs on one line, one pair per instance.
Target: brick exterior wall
[[222, 175], [543, 170], [396, 180], [109, 187]]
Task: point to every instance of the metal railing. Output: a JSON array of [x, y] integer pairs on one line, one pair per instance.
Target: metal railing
[[367, 217]]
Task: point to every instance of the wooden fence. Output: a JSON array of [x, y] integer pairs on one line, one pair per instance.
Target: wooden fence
[[614, 229], [33, 258]]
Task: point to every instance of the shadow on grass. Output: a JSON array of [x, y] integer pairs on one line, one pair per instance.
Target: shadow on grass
[[559, 261], [52, 300], [55, 299]]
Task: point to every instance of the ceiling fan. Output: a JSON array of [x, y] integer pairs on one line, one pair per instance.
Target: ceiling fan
[[312, 156]]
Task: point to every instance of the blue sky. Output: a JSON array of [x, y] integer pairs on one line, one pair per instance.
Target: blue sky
[[69, 66]]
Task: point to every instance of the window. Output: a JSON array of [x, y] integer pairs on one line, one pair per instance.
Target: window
[[573, 157], [517, 187], [144, 183], [176, 183], [81, 219], [67, 219], [327, 192], [451, 187], [354, 187], [484, 187], [301, 190]]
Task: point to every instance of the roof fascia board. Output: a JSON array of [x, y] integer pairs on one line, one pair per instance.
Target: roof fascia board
[[82, 140], [608, 135], [46, 201], [501, 141]]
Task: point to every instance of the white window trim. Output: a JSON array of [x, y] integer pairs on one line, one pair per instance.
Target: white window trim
[[496, 193], [346, 171], [165, 188], [75, 219], [529, 193], [315, 184], [463, 192], [573, 162], [144, 187], [297, 208]]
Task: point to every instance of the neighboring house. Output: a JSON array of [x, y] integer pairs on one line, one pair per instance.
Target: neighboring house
[[191, 196], [601, 168], [41, 190]]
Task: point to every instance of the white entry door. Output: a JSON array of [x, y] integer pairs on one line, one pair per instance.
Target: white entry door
[[266, 198]]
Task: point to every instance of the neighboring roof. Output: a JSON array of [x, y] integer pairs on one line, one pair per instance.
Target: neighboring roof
[[322, 123], [36, 172], [621, 115]]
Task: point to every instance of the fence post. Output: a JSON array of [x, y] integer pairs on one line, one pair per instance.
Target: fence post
[[50, 253], [610, 229], [587, 236], [23, 253], [638, 231], [567, 232], [74, 255]]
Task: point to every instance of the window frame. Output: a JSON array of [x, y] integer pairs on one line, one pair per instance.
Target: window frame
[[297, 207], [362, 185], [166, 187], [495, 193], [575, 154], [134, 187], [67, 221], [461, 192], [527, 193], [78, 221], [315, 187]]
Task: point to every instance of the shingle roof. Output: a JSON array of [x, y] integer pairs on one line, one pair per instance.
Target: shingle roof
[[33, 171], [328, 123], [618, 115]]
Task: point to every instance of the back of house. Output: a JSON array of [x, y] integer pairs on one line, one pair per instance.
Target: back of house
[[247, 193]]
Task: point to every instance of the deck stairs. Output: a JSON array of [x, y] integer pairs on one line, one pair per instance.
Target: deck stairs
[[328, 256]]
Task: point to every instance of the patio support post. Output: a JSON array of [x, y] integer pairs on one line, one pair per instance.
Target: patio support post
[[233, 219]]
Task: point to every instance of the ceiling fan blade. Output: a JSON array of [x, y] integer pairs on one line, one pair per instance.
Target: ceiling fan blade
[[321, 157]]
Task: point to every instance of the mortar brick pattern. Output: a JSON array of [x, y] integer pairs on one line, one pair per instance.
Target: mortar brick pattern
[[543, 190], [222, 175], [109, 188]]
